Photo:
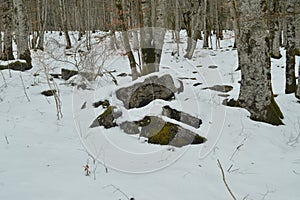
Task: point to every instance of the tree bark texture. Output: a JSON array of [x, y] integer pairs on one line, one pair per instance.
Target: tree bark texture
[[256, 88], [290, 82], [22, 31], [6, 9]]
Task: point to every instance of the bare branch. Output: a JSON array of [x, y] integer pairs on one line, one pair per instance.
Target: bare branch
[[117, 190], [224, 180], [24, 87]]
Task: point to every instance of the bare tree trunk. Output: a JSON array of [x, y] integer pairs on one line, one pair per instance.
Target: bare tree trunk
[[235, 21], [177, 26], [126, 41], [0, 40], [256, 88], [283, 23], [298, 87], [195, 34], [7, 53], [64, 21], [42, 17], [159, 31], [147, 47], [297, 27], [290, 84], [188, 26], [274, 29], [205, 25], [22, 31]]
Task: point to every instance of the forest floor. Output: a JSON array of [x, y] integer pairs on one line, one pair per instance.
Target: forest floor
[[44, 158]]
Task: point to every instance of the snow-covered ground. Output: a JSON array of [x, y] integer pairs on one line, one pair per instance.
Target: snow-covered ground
[[44, 158]]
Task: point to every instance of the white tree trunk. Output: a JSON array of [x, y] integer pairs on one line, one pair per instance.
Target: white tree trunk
[[42, 17], [22, 31], [159, 31], [126, 42], [195, 34], [256, 89], [147, 46]]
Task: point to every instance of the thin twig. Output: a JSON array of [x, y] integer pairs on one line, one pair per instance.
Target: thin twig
[[5, 83], [224, 180], [117, 190], [296, 172], [7, 142], [236, 150], [24, 87]]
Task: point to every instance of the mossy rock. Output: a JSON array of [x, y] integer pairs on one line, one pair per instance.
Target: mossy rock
[[107, 118], [165, 135]]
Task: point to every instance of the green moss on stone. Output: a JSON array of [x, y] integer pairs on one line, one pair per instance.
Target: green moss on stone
[[165, 135], [274, 114]]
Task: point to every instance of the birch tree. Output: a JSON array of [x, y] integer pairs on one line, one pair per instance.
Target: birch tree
[[125, 38], [254, 57], [195, 33], [22, 31], [7, 51], [42, 20]]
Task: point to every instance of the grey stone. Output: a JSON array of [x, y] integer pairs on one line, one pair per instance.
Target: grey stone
[[130, 127], [185, 137], [153, 126], [220, 88], [181, 117], [141, 94]]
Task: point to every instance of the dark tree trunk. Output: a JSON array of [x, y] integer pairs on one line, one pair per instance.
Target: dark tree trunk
[[290, 84], [6, 10]]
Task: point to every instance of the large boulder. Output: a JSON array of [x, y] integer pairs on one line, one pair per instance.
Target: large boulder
[[142, 93]]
